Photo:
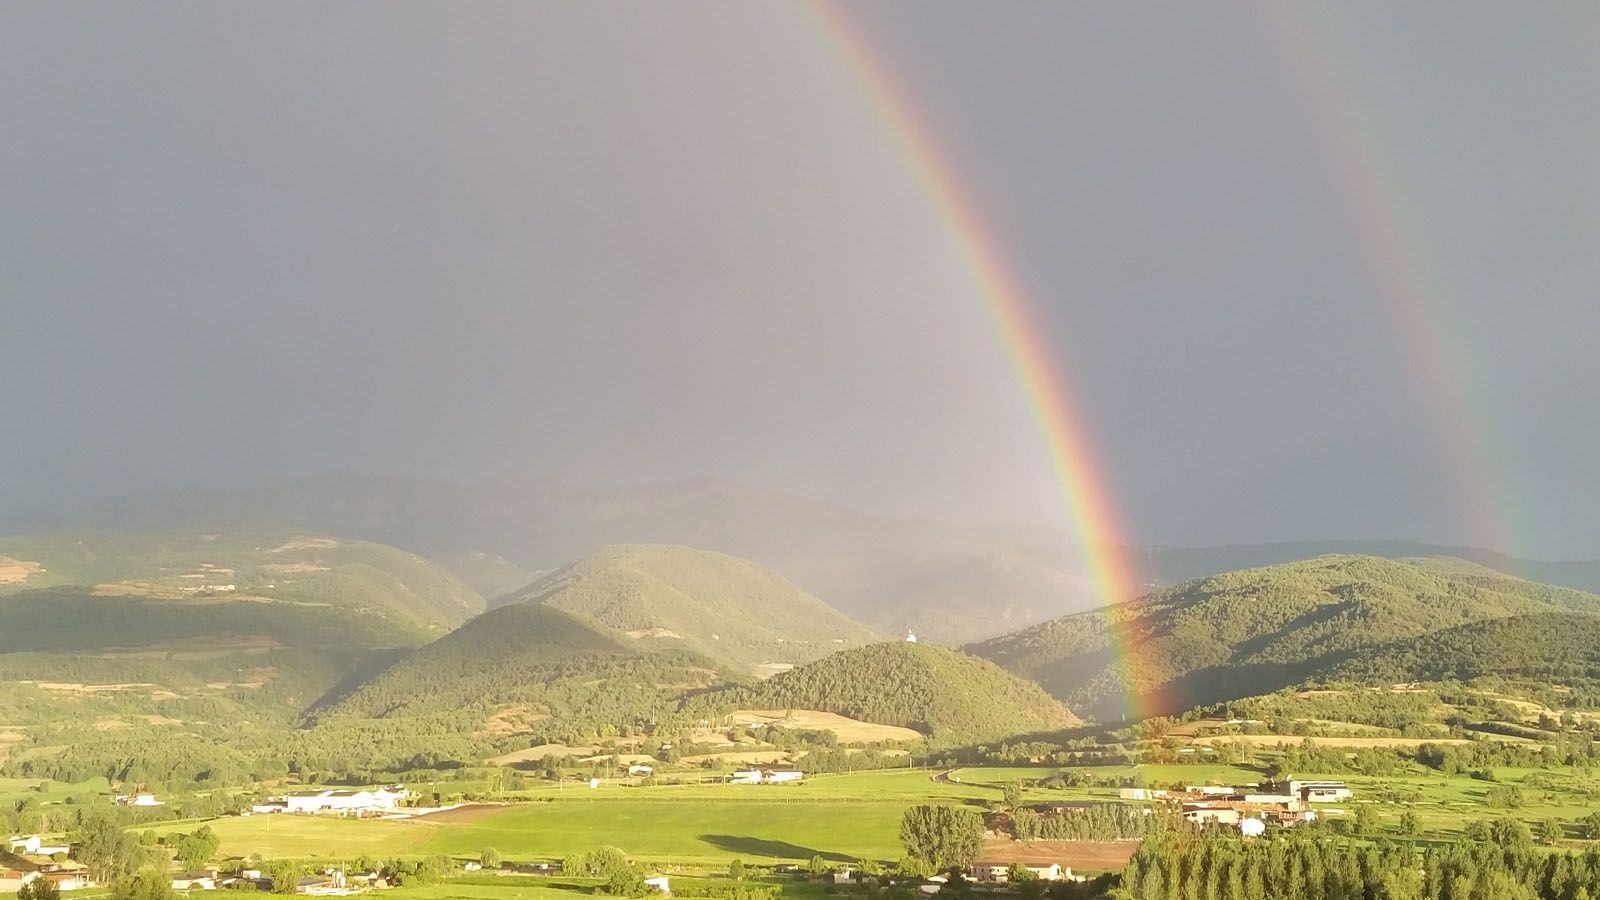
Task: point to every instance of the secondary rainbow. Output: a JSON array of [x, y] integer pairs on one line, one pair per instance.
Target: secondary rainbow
[[1082, 484], [1412, 287]]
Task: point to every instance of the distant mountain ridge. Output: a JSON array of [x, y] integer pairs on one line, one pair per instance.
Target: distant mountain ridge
[[1255, 630], [947, 583], [721, 607]]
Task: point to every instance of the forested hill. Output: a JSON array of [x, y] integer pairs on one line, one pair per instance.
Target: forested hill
[[678, 598], [1254, 630], [261, 565], [945, 694], [526, 667], [1553, 647]]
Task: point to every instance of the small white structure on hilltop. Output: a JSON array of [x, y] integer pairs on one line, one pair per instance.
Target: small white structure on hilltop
[[911, 638]]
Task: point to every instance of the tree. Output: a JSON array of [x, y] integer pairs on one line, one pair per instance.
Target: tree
[[40, 889], [1410, 822], [1018, 873], [1013, 795], [1591, 826], [1366, 820], [108, 852], [942, 836], [285, 877], [1551, 832], [736, 870], [149, 884], [489, 857], [817, 865]]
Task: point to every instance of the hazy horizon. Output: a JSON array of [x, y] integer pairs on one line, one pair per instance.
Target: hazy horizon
[[605, 244]]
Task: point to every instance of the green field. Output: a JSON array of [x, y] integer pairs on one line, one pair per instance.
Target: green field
[[840, 817]]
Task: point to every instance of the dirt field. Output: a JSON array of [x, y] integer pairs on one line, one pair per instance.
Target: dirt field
[[848, 730], [533, 754], [16, 571], [512, 720], [1082, 856], [472, 812], [1272, 740]]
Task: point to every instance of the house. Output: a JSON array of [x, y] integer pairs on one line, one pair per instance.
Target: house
[[640, 769], [343, 802], [1252, 827], [659, 883], [1142, 794], [744, 776], [843, 876], [1200, 814], [1320, 791], [16, 872], [1000, 872], [195, 881], [138, 800], [36, 846], [780, 776]]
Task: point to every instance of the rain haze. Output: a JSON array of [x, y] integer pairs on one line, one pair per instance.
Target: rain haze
[[602, 244]]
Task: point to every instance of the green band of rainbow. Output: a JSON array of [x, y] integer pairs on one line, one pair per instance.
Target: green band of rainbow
[[1044, 381]]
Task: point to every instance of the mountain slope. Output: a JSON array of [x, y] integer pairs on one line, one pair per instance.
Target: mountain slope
[[1251, 631], [948, 583], [946, 694], [528, 663], [1555, 647], [254, 564], [718, 606]]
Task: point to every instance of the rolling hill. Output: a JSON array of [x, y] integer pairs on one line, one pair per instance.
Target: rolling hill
[[103, 635], [1554, 647], [524, 668], [947, 695], [726, 609], [1255, 630]]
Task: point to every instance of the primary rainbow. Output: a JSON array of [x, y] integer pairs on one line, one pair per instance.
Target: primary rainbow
[[1396, 249], [1045, 384]]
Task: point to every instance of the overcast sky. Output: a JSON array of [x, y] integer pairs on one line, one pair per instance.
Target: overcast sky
[[622, 243]]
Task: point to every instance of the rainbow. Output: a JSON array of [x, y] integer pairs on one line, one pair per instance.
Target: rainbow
[[1043, 377], [1396, 252]]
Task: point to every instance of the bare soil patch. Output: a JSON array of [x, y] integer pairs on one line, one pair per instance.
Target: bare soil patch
[[541, 751], [846, 729], [512, 720], [16, 571], [1270, 740], [305, 542], [472, 812], [1082, 856]]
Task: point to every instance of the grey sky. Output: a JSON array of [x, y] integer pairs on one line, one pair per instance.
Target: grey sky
[[623, 243]]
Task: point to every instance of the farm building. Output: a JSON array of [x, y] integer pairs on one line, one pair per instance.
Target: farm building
[[1000, 872], [336, 801], [138, 800], [195, 881], [641, 769], [36, 846], [1320, 791]]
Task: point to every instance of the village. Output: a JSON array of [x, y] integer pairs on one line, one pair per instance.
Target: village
[[1248, 808]]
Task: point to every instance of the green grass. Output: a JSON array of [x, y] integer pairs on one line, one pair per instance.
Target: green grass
[[311, 837], [671, 831]]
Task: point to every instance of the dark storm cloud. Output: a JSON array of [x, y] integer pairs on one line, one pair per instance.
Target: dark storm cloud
[[619, 243]]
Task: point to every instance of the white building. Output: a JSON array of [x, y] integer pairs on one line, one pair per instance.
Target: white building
[[337, 801], [745, 776], [659, 883], [138, 800], [1320, 791], [1000, 872], [35, 845], [641, 769], [779, 776]]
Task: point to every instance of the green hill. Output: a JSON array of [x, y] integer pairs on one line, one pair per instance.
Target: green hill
[[945, 694], [1555, 647], [678, 598], [256, 565], [111, 639], [1246, 632], [527, 668]]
